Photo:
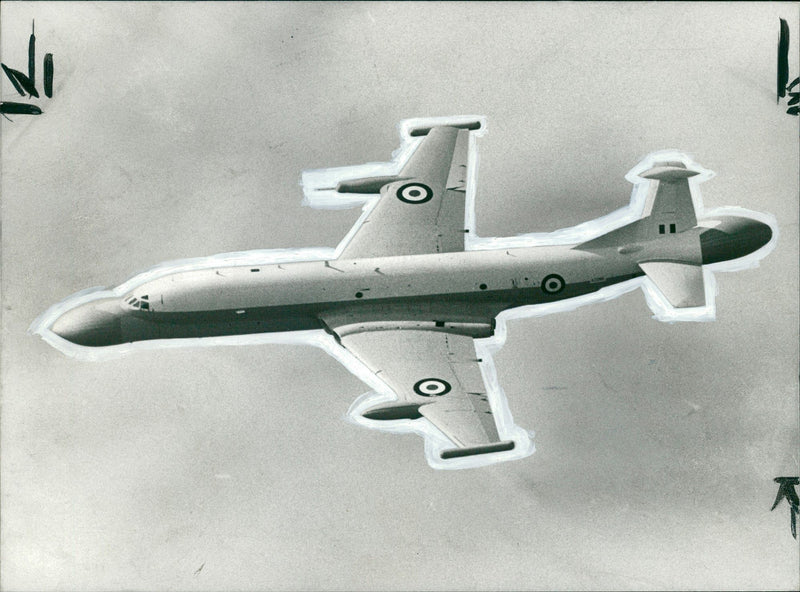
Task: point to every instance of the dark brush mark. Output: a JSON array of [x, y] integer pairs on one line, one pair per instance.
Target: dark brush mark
[[23, 80], [27, 84], [786, 490], [7, 107], [783, 60], [48, 75], [794, 97], [32, 54], [13, 80]]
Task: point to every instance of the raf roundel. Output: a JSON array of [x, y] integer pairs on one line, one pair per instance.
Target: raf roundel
[[553, 284], [414, 193], [432, 387]]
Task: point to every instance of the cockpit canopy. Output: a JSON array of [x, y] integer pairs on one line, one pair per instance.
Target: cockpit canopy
[[140, 303]]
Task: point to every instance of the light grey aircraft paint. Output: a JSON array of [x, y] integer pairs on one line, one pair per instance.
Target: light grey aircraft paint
[[414, 305]]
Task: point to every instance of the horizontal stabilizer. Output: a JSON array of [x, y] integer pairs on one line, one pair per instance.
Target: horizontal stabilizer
[[668, 172], [473, 450], [681, 283], [423, 130]]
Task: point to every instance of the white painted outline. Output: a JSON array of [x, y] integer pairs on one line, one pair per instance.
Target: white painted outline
[[317, 194]]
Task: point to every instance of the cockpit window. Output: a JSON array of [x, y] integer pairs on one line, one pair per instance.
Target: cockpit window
[[141, 303]]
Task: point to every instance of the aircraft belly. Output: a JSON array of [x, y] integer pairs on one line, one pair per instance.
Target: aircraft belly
[[145, 326]]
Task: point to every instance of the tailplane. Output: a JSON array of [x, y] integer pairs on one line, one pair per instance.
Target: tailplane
[[682, 284], [668, 211]]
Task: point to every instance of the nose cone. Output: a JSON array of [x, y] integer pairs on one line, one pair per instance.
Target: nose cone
[[733, 237], [93, 324]]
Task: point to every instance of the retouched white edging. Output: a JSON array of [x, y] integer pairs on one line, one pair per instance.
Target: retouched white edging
[[317, 190]]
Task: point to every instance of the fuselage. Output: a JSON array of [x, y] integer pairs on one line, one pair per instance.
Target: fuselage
[[442, 290], [293, 296]]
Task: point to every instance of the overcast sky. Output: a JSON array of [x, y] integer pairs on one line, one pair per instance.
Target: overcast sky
[[181, 130]]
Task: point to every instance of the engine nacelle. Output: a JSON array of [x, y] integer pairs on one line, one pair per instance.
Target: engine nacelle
[[390, 411], [367, 185]]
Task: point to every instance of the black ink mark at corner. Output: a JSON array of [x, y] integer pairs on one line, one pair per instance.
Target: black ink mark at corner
[[10, 108], [19, 108], [32, 53], [19, 80], [794, 98], [786, 490], [23, 83], [13, 79], [783, 60], [48, 75]]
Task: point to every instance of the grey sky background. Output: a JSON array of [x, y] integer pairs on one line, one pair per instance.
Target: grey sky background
[[181, 130]]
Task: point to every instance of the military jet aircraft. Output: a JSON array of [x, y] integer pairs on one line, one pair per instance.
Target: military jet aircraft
[[411, 301]]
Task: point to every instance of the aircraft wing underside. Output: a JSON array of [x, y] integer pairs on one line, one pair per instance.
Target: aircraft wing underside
[[422, 211], [435, 375]]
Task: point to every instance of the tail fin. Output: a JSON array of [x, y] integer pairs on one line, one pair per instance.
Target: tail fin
[[668, 209]]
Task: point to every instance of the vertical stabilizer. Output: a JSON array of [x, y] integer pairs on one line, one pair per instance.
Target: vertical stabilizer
[[669, 206], [668, 210]]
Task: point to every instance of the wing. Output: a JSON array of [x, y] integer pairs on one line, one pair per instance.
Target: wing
[[435, 375], [421, 210]]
